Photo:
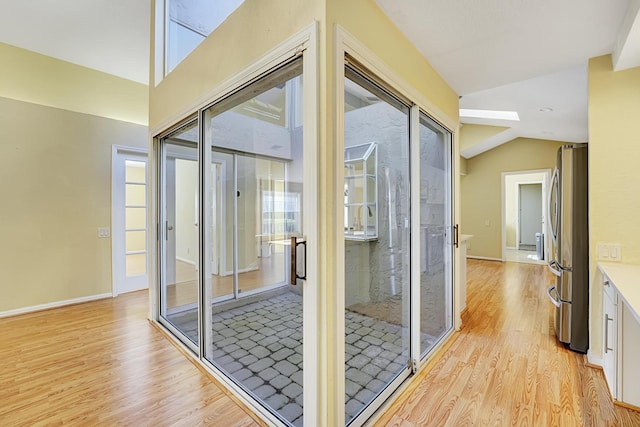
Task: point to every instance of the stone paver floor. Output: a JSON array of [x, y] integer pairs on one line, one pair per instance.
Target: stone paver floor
[[259, 344]]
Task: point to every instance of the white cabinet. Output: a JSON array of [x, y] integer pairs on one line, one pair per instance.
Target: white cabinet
[[621, 331], [610, 335]]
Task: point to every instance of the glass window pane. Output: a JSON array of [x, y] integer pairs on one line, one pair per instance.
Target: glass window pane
[[135, 241], [435, 265], [136, 264], [135, 171], [376, 270], [135, 218], [190, 22], [180, 255], [256, 340], [135, 195]]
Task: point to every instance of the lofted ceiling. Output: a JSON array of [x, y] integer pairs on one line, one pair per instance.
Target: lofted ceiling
[[523, 55]]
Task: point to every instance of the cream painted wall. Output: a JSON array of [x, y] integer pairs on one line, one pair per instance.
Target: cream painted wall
[[614, 176], [481, 189], [55, 187], [228, 50], [31, 77], [471, 135]]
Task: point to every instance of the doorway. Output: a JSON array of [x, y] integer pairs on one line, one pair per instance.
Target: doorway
[[524, 216], [530, 215], [129, 219]]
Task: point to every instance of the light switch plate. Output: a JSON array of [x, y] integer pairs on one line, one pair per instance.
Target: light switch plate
[[608, 251], [104, 232]]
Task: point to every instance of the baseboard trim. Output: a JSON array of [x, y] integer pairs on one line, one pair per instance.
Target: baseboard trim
[[484, 258], [50, 305], [186, 261], [594, 361]]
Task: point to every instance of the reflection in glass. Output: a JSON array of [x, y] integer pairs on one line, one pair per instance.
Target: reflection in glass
[[179, 231], [256, 206], [435, 217], [377, 270]]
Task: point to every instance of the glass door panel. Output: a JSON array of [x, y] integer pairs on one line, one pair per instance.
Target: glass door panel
[[256, 329], [435, 219], [179, 278], [377, 276]]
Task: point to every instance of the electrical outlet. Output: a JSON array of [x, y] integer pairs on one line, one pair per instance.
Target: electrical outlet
[[487, 223], [104, 232]]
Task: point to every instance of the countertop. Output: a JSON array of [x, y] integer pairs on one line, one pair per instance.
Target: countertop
[[465, 237], [626, 279]]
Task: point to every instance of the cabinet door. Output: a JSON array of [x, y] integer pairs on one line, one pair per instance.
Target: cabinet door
[[628, 348], [609, 337]]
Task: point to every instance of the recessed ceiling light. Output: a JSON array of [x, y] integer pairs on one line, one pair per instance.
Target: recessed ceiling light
[[490, 114], [545, 109]]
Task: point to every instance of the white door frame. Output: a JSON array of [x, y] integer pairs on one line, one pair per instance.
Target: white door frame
[[118, 243], [546, 181], [518, 222]]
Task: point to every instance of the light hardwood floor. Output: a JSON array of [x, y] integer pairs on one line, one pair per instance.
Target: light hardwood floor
[[505, 367], [102, 363]]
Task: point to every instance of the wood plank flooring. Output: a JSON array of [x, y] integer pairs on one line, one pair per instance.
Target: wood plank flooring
[[505, 367], [103, 363]]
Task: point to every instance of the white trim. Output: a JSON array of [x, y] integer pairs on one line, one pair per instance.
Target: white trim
[[289, 48], [593, 360], [485, 258], [56, 304], [415, 208], [503, 216], [347, 43], [117, 246], [187, 261]]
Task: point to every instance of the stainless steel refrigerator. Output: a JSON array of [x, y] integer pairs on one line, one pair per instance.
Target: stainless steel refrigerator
[[569, 260]]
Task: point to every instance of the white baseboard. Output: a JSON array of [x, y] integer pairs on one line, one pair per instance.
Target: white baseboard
[[186, 261], [484, 258], [594, 360], [24, 310]]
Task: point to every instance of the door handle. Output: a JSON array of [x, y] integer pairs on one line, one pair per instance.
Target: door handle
[[606, 333], [455, 235], [294, 260]]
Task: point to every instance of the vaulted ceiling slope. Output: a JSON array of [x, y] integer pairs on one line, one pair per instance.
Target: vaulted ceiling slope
[[523, 56]]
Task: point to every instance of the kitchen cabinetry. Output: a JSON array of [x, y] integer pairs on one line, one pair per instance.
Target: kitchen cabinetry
[[621, 331]]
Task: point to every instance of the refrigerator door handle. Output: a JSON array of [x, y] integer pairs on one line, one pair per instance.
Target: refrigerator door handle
[[555, 300], [554, 267]]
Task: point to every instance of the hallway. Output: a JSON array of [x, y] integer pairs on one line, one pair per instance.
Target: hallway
[[506, 367]]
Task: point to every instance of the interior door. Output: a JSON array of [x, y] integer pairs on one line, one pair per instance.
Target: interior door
[[129, 221], [530, 202]]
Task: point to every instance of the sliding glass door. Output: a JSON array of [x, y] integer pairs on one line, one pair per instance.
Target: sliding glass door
[[179, 233]]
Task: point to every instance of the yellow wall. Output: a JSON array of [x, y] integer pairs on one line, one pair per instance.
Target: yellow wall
[[614, 177], [481, 189], [55, 191], [31, 77], [471, 135], [254, 29]]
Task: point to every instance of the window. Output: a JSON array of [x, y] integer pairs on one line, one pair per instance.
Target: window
[[189, 22]]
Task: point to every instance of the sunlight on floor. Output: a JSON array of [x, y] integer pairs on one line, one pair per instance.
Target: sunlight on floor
[[526, 257]]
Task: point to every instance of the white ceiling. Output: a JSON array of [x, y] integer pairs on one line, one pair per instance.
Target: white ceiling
[[519, 55], [106, 35]]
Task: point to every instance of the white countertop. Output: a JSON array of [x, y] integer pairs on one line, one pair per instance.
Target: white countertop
[[465, 237], [626, 279]]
